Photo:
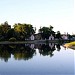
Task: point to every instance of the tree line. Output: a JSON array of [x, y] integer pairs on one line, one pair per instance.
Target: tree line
[[20, 32]]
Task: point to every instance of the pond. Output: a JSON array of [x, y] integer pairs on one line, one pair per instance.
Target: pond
[[38, 59]]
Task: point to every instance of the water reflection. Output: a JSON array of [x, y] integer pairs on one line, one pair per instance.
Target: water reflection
[[18, 51], [27, 51], [5, 53], [23, 52], [58, 47], [47, 49]]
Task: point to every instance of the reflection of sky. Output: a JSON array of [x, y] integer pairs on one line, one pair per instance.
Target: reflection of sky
[[61, 63]]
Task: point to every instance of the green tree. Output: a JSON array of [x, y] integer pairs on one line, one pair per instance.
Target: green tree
[[51, 28], [4, 28], [11, 33], [46, 32], [23, 30], [58, 35]]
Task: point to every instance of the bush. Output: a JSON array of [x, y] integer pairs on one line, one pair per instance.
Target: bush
[[12, 39], [47, 41], [2, 39]]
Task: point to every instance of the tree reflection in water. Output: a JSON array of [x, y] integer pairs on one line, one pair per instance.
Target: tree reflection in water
[[58, 47], [27, 51], [5, 52], [23, 52], [47, 49]]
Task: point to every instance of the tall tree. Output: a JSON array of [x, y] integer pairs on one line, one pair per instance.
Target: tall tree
[[23, 30], [4, 28], [46, 32], [58, 35]]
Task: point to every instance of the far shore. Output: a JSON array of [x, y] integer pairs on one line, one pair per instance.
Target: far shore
[[32, 41], [28, 42]]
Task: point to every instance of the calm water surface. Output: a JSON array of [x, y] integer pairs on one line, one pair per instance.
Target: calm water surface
[[41, 59]]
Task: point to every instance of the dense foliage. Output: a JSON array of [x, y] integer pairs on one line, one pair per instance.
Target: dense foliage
[[21, 32], [46, 32]]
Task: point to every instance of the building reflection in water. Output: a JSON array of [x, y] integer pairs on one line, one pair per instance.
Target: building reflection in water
[[27, 51]]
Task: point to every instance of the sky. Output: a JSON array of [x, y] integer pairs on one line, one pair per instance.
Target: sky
[[58, 13]]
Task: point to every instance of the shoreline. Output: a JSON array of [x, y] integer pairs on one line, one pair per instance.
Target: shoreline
[[29, 42], [70, 45], [34, 41]]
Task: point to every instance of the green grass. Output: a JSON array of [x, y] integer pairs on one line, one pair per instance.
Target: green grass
[[68, 45]]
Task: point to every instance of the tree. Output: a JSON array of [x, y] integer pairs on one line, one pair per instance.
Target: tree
[[4, 28], [11, 33], [58, 35], [46, 32], [51, 28], [23, 30]]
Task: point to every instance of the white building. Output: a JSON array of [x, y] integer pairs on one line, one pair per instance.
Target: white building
[[65, 37], [51, 37], [32, 37]]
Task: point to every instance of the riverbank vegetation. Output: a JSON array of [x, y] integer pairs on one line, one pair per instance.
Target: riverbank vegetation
[[22, 32], [19, 32], [70, 45]]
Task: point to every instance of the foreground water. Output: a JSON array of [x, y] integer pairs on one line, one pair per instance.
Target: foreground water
[[39, 59]]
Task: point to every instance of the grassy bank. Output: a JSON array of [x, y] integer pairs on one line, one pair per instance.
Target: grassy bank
[[70, 45]]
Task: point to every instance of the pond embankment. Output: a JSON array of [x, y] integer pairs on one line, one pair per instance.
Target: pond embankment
[[70, 45], [29, 42]]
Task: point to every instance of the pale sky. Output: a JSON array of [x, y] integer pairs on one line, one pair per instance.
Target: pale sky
[[58, 13]]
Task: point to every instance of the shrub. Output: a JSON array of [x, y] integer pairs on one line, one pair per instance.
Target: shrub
[[12, 39], [47, 41], [2, 39]]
